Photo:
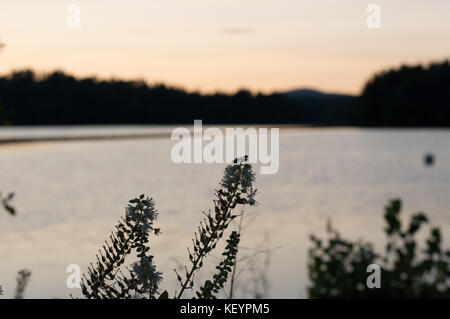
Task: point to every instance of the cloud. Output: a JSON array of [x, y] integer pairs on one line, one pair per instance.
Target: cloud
[[236, 31]]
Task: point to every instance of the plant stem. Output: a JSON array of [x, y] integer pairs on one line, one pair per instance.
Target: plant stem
[[233, 274], [203, 253]]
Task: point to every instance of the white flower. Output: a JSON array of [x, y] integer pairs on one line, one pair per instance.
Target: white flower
[[146, 274], [248, 177], [239, 172], [251, 197], [144, 212]]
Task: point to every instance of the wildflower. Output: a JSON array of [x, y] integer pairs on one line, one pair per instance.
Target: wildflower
[[146, 274], [251, 197], [143, 212], [248, 176], [240, 172], [130, 212]]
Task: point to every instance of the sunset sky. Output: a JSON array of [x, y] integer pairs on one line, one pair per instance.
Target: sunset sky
[[225, 45]]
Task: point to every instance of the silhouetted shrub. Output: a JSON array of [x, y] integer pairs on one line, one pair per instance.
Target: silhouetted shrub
[[337, 267]]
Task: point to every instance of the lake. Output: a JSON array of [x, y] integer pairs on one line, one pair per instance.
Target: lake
[[71, 194]]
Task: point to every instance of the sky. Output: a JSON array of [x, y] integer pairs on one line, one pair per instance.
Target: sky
[[261, 45]]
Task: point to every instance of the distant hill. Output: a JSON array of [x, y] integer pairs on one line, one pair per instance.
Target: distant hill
[[318, 108], [310, 93]]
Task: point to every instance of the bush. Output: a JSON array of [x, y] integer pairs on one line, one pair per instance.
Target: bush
[[337, 268]]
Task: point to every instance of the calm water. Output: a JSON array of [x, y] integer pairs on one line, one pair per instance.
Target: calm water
[[69, 195]]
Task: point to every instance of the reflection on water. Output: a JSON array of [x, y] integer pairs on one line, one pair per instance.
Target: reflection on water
[[69, 195]]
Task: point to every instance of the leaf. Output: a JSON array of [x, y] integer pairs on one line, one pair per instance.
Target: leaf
[[10, 209], [164, 295]]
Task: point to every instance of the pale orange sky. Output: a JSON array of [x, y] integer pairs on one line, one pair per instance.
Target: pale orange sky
[[225, 45]]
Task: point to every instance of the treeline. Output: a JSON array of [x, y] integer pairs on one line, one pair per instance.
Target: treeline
[[59, 98], [408, 96]]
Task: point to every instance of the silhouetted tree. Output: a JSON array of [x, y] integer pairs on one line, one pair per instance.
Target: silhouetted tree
[[58, 98], [409, 96]]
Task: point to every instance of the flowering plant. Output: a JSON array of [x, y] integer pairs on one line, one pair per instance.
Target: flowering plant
[[107, 280]]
